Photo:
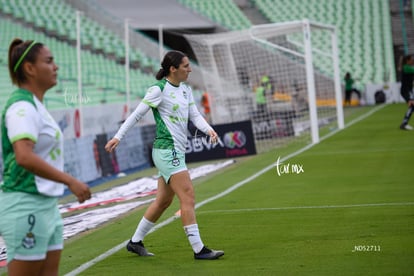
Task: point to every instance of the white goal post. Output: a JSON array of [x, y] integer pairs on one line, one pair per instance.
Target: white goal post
[[284, 77]]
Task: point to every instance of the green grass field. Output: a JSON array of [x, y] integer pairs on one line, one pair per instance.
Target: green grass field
[[349, 212]]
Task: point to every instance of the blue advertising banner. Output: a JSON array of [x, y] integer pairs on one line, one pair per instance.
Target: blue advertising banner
[[235, 139]]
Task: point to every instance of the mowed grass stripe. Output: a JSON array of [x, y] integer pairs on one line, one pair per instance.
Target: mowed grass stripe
[[308, 207]]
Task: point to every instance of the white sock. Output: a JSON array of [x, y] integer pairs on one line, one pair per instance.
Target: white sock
[[193, 236], [143, 228]]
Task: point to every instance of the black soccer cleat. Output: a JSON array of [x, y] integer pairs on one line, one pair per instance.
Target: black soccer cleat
[[138, 248], [208, 254], [406, 127]]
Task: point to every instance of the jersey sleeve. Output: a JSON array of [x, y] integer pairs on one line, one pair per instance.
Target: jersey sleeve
[[196, 117], [151, 100], [135, 116], [22, 122], [153, 96]]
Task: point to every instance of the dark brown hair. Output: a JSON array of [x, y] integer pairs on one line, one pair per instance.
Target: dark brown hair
[[171, 58], [16, 50]]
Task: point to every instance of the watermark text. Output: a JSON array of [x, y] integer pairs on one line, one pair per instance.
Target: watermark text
[[288, 168], [75, 99], [366, 248]]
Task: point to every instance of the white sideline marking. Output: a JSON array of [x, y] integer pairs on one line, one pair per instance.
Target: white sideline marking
[[308, 207], [111, 251]]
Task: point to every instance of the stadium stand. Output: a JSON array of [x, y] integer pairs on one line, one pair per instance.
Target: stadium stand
[[52, 22], [370, 60], [224, 12], [58, 19], [103, 74]]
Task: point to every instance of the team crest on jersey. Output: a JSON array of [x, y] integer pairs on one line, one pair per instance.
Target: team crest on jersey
[[185, 94], [29, 241]]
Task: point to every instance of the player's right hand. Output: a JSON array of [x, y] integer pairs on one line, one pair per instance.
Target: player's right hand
[[80, 190], [111, 145]]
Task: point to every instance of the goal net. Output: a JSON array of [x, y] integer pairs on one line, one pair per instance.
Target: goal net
[[283, 77]]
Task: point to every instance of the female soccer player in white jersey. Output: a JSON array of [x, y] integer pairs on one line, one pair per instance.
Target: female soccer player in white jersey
[[32, 144], [173, 105]]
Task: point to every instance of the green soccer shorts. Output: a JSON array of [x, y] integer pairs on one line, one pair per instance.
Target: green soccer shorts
[[168, 162], [30, 224]]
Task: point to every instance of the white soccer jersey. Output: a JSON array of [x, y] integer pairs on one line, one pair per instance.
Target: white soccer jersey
[[23, 120], [172, 107]]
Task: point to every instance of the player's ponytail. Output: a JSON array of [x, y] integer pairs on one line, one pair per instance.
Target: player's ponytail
[[171, 58], [161, 74]]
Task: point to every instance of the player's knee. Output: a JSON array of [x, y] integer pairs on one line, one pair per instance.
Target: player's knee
[[164, 203], [188, 200], [188, 194]]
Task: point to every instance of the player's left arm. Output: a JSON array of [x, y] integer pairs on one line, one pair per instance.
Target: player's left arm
[[199, 121]]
